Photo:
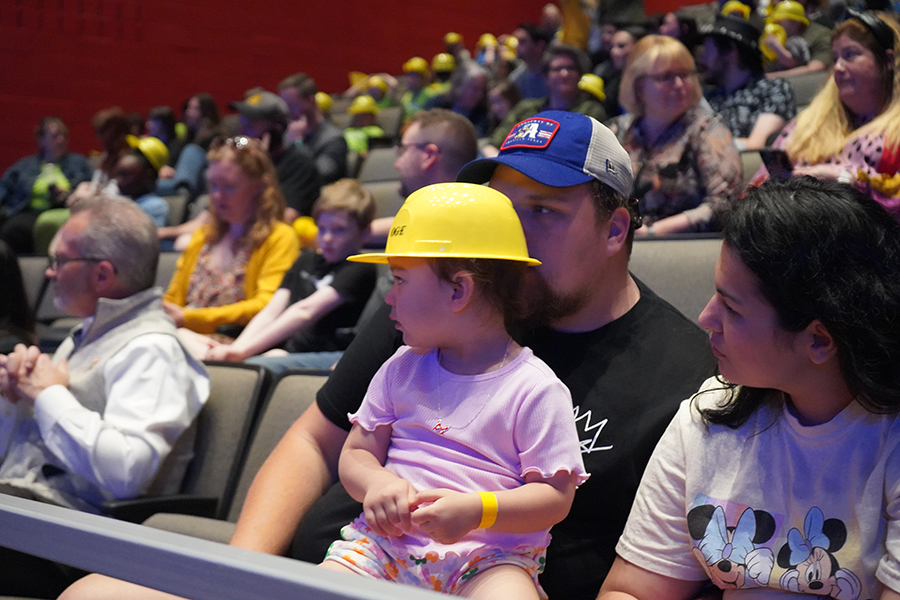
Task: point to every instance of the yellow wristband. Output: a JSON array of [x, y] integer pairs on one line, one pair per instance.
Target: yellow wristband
[[488, 509]]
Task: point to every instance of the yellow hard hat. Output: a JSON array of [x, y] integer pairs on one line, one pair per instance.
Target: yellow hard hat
[[452, 38], [789, 9], [324, 102], [443, 62], [417, 64], [306, 230], [512, 42], [487, 39], [356, 77], [593, 84], [379, 82], [364, 104], [776, 30], [455, 220], [736, 6], [152, 148]]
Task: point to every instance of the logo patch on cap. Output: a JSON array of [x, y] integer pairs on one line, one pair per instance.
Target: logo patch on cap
[[531, 133]]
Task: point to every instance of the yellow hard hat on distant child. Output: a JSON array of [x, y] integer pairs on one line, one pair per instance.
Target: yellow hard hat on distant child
[[736, 6], [443, 63], [487, 40], [356, 77], [776, 30], [324, 102], [789, 9], [455, 220], [452, 38], [152, 148], [417, 64], [364, 104], [592, 84], [377, 81]]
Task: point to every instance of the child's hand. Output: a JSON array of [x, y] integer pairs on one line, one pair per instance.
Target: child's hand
[[227, 352], [387, 507], [450, 515]]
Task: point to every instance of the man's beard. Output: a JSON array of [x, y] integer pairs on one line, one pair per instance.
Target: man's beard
[[545, 306]]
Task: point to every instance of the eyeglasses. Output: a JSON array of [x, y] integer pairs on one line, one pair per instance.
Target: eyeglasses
[[401, 147], [55, 262], [669, 77], [561, 68]]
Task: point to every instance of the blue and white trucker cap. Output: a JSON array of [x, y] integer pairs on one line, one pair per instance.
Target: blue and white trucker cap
[[559, 149]]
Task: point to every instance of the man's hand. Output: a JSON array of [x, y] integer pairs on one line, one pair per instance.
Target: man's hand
[[227, 352], [36, 372], [387, 507], [296, 130], [450, 516], [175, 312]]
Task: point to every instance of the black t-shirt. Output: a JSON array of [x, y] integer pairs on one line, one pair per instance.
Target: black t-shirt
[[297, 178], [353, 281], [626, 378]]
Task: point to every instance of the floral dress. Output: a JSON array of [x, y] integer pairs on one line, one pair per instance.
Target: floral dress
[[691, 169]]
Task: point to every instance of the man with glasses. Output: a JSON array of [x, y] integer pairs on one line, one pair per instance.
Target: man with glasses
[[435, 145], [563, 67], [100, 419]]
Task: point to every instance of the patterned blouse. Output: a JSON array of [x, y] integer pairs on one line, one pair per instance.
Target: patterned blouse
[[218, 285], [740, 108], [692, 169]]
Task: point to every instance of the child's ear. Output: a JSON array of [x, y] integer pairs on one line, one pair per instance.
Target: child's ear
[[463, 288]]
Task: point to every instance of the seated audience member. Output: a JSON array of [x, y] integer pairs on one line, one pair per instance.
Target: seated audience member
[[200, 117], [501, 99], [686, 168], [136, 175], [16, 317], [467, 96], [235, 260], [623, 40], [683, 29], [320, 295], [443, 65], [793, 51], [37, 183], [851, 130], [806, 40], [563, 67], [456, 47], [264, 116], [592, 323], [752, 106], [108, 416], [417, 78], [778, 479], [111, 127], [310, 128], [529, 76], [363, 124], [486, 50], [503, 422], [161, 125]]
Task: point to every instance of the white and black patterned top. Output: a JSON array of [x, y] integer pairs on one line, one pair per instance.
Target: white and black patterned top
[[741, 108]]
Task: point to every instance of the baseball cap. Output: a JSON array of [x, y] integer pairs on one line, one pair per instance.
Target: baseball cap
[[263, 105], [152, 148], [559, 149]]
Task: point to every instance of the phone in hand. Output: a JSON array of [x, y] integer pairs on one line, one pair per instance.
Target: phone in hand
[[777, 162]]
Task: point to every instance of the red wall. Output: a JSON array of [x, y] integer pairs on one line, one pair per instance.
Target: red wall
[[73, 57]]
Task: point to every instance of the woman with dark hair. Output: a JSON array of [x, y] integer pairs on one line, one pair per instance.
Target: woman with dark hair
[[783, 472], [200, 116]]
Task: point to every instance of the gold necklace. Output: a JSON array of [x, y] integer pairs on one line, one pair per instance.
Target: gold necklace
[[439, 427]]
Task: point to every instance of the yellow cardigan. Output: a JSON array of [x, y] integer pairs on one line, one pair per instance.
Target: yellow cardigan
[[263, 276]]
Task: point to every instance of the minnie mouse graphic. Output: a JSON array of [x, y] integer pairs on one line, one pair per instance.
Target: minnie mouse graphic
[[812, 566]]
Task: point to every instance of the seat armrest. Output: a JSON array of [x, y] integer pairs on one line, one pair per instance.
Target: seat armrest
[[138, 510]]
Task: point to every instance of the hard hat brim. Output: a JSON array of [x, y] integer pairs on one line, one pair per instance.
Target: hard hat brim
[[381, 258]]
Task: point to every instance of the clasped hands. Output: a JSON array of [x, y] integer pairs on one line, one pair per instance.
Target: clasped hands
[[26, 372], [444, 515]]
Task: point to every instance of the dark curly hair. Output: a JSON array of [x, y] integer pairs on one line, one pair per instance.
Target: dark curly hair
[[823, 251]]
